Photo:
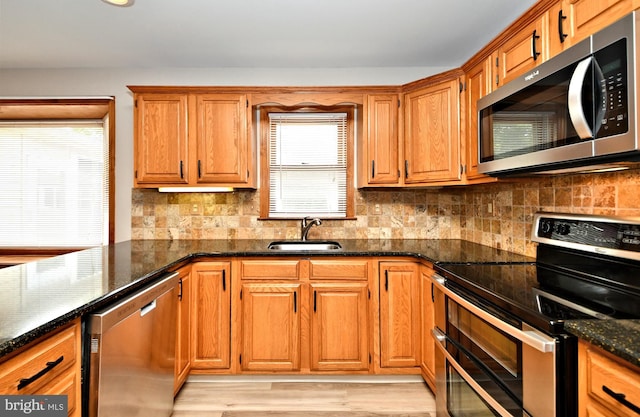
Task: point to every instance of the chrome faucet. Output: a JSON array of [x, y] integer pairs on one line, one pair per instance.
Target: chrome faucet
[[304, 227]]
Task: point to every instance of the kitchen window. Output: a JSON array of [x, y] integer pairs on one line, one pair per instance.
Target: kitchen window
[[308, 159], [56, 176]]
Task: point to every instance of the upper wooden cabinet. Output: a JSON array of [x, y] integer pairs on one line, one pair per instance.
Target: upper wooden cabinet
[[192, 139], [477, 85], [379, 153], [522, 51], [161, 139], [432, 132], [589, 16]]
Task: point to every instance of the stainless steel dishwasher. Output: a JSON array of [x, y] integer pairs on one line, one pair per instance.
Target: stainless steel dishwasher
[[132, 354]]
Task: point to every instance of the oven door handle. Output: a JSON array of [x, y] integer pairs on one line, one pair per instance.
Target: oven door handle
[[440, 339], [532, 338]]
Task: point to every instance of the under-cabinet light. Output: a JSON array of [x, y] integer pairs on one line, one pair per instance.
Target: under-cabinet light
[[120, 3], [195, 189]]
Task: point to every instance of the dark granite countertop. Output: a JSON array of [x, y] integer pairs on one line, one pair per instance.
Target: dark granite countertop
[[38, 297], [620, 337]]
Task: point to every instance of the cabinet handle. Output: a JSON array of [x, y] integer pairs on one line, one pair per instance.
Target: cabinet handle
[[181, 171], [295, 301], [433, 299], [315, 301], [199, 169], [224, 280], [406, 168], [386, 280], [534, 53], [180, 290], [621, 398], [373, 169], [50, 365], [561, 33]]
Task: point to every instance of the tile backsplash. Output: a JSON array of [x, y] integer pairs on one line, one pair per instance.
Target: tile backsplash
[[497, 214]]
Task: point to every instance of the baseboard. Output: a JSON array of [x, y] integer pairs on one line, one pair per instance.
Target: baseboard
[[366, 379]]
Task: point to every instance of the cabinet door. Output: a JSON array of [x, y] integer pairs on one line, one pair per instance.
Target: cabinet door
[[381, 149], [270, 326], [432, 134], [478, 85], [339, 326], [183, 336], [160, 139], [589, 16], [211, 312], [222, 140], [522, 52], [428, 358], [559, 28], [399, 314]]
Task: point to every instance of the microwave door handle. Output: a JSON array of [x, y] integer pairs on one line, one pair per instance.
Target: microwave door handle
[[576, 111]]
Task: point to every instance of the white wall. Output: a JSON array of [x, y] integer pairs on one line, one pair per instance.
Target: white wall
[[113, 82]]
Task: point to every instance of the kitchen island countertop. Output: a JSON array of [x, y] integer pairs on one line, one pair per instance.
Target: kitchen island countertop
[[38, 297]]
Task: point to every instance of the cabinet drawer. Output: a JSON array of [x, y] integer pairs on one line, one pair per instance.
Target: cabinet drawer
[[40, 365], [267, 269], [348, 270], [607, 377]]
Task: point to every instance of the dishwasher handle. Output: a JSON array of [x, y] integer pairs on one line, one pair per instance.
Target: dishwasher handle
[[142, 302]]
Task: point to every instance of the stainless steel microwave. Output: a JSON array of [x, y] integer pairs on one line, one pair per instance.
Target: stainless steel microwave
[[576, 111]]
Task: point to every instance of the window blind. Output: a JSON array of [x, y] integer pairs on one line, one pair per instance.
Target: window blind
[[54, 184], [307, 164]]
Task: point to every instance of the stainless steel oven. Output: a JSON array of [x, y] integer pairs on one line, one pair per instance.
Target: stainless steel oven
[[503, 347], [493, 363]]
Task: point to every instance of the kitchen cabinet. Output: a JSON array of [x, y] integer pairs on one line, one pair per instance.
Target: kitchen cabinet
[[586, 17], [477, 85], [379, 153], [559, 25], [607, 385], [51, 366], [427, 311], [192, 139], [432, 132], [339, 311], [211, 316], [183, 335], [522, 51], [399, 287], [270, 326], [161, 142], [304, 315]]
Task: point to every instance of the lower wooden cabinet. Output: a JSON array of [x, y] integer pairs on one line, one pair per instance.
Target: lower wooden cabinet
[[270, 327], [427, 305], [607, 385], [183, 328], [311, 317], [49, 367], [211, 315], [399, 314], [339, 326]]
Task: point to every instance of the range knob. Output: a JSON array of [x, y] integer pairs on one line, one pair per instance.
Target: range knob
[[545, 227], [562, 229]]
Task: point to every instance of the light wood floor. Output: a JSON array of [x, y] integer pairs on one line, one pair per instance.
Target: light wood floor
[[263, 397]]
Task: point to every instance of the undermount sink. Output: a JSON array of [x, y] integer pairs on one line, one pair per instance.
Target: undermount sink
[[302, 245]]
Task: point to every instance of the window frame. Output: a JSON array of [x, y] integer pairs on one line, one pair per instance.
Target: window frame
[[66, 109], [264, 155]]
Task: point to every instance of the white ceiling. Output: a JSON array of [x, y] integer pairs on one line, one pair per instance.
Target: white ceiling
[[249, 33]]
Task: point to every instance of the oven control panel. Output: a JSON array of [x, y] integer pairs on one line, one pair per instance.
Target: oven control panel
[[598, 233]]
